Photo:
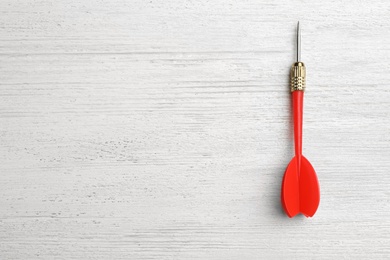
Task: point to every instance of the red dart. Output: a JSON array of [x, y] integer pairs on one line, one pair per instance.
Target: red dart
[[300, 187]]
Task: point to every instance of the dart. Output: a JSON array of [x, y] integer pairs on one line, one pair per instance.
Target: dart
[[300, 188]]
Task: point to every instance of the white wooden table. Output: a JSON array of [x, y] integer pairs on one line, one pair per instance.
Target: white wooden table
[[161, 129]]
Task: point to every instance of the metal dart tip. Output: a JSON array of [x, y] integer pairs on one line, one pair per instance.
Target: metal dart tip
[[298, 69], [298, 43]]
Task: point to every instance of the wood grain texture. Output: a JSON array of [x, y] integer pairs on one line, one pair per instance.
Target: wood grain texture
[[161, 129]]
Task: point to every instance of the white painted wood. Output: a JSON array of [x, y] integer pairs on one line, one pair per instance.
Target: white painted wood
[[161, 129]]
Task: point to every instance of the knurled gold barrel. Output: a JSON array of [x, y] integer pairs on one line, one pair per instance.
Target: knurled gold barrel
[[298, 77]]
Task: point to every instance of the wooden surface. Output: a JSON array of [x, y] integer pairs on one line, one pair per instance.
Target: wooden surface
[[161, 129]]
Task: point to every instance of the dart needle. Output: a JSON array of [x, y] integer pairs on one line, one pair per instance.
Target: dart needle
[[298, 43]]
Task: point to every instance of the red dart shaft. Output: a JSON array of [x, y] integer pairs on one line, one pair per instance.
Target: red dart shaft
[[297, 101]]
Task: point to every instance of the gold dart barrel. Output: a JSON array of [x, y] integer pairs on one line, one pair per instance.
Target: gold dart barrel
[[298, 77]]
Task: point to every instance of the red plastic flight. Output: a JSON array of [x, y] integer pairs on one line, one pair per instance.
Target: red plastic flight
[[300, 187]]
